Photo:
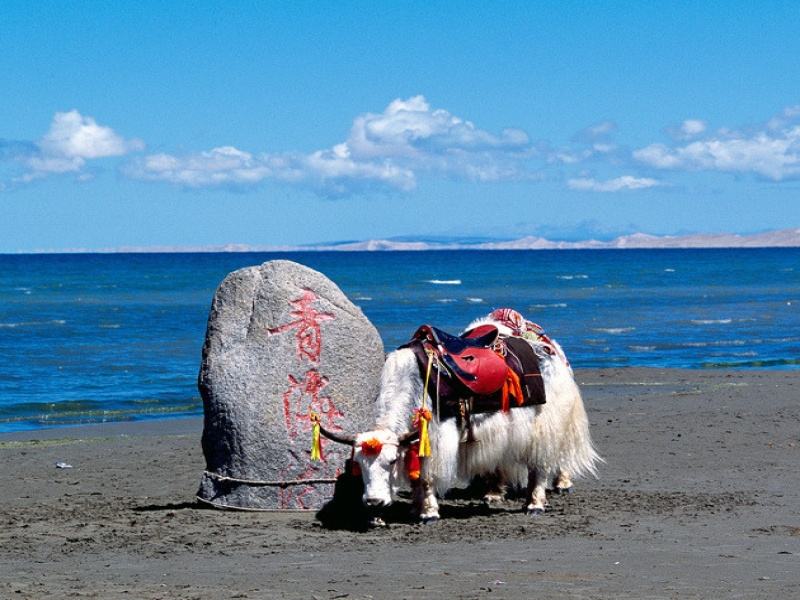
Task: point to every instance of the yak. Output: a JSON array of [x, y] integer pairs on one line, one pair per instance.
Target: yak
[[526, 446]]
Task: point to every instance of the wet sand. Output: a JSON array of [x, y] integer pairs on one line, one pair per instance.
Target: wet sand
[[700, 498]]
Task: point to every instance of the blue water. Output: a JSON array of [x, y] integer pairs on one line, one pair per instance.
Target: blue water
[[87, 338]]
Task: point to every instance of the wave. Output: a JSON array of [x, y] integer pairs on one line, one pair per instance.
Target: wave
[[553, 305], [641, 348], [446, 300], [73, 412], [12, 325], [363, 298], [717, 343], [569, 277], [475, 300], [711, 321], [764, 363], [444, 281], [614, 330], [669, 270]]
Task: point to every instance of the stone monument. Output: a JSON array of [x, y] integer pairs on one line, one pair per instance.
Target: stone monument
[[282, 340]]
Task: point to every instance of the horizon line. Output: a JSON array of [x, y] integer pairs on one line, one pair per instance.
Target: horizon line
[[781, 238]]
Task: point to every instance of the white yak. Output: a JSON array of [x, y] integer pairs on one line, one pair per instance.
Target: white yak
[[526, 446]]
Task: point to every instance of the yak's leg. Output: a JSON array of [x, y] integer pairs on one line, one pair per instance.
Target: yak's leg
[[495, 488], [536, 496], [562, 484], [426, 506]]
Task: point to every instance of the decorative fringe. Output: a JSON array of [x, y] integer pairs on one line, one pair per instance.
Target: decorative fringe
[[511, 387], [371, 447], [316, 444], [413, 465], [422, 417]]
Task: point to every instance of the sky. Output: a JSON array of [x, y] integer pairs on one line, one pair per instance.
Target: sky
[[178, 124]]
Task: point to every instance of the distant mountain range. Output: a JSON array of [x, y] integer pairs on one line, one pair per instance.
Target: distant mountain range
[[785, 238], [772, 239]]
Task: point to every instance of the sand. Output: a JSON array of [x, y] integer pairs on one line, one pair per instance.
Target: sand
[[700, 498]]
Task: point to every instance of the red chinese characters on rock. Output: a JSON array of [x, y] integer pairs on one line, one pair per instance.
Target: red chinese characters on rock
[[307, 322], [303, 395]]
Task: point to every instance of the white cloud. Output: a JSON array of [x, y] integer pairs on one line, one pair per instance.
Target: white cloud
[[626, 182], [388, 149], [692, 127], [602, 129], [72, 135], [221, 165], [71, 141], [410, 128], [657, 155], [771, 150], [786, 117], [227, 165], [772, 155], [591, 143]]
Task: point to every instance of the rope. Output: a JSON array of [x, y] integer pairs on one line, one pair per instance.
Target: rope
[[427, 378], [286, 483], [222, 505], [438, 407]]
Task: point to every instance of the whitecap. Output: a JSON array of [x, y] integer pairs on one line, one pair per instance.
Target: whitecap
[[614, 330], [553, 305], [475, 300], [719, 343], [446, 300], [363, 298], [12, 324], [110, 325], [669, 270], [711, 321], [568, 277], [444, 281], [642, 348]]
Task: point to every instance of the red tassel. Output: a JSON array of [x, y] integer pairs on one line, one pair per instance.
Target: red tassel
[[511, 387], [413, 465]]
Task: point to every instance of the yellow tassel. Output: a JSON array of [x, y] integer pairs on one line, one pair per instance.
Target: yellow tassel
[[424, 440], [316, 446], [423, 416]]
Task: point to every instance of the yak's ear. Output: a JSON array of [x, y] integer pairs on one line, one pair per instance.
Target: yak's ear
[[408, 438], [348, 439]]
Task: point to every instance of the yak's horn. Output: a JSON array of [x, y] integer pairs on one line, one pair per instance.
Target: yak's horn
[[408, 438], [342, 438]]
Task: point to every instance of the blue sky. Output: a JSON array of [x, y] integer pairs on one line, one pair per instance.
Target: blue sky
[[177, 124]]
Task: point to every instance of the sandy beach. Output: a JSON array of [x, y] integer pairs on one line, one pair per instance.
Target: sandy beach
[[699, 498]]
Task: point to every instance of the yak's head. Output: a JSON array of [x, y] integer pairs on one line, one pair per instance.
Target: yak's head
[[376, 453]]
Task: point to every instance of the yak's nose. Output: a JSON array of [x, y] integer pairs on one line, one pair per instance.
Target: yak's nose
[[374, 502]]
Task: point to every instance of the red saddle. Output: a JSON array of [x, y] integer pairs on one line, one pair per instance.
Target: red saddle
[[469, 357]]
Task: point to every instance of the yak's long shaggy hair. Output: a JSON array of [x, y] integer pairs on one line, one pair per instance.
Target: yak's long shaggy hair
[[550, 437]]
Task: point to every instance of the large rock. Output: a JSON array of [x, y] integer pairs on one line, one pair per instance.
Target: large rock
[[282, 339]]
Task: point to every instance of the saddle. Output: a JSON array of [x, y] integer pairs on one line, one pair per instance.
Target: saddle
[[478, 371]]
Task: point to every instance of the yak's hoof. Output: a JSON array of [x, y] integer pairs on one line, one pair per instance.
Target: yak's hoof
[[430, 520], [377, 522], [534, 512], [563, 490]]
